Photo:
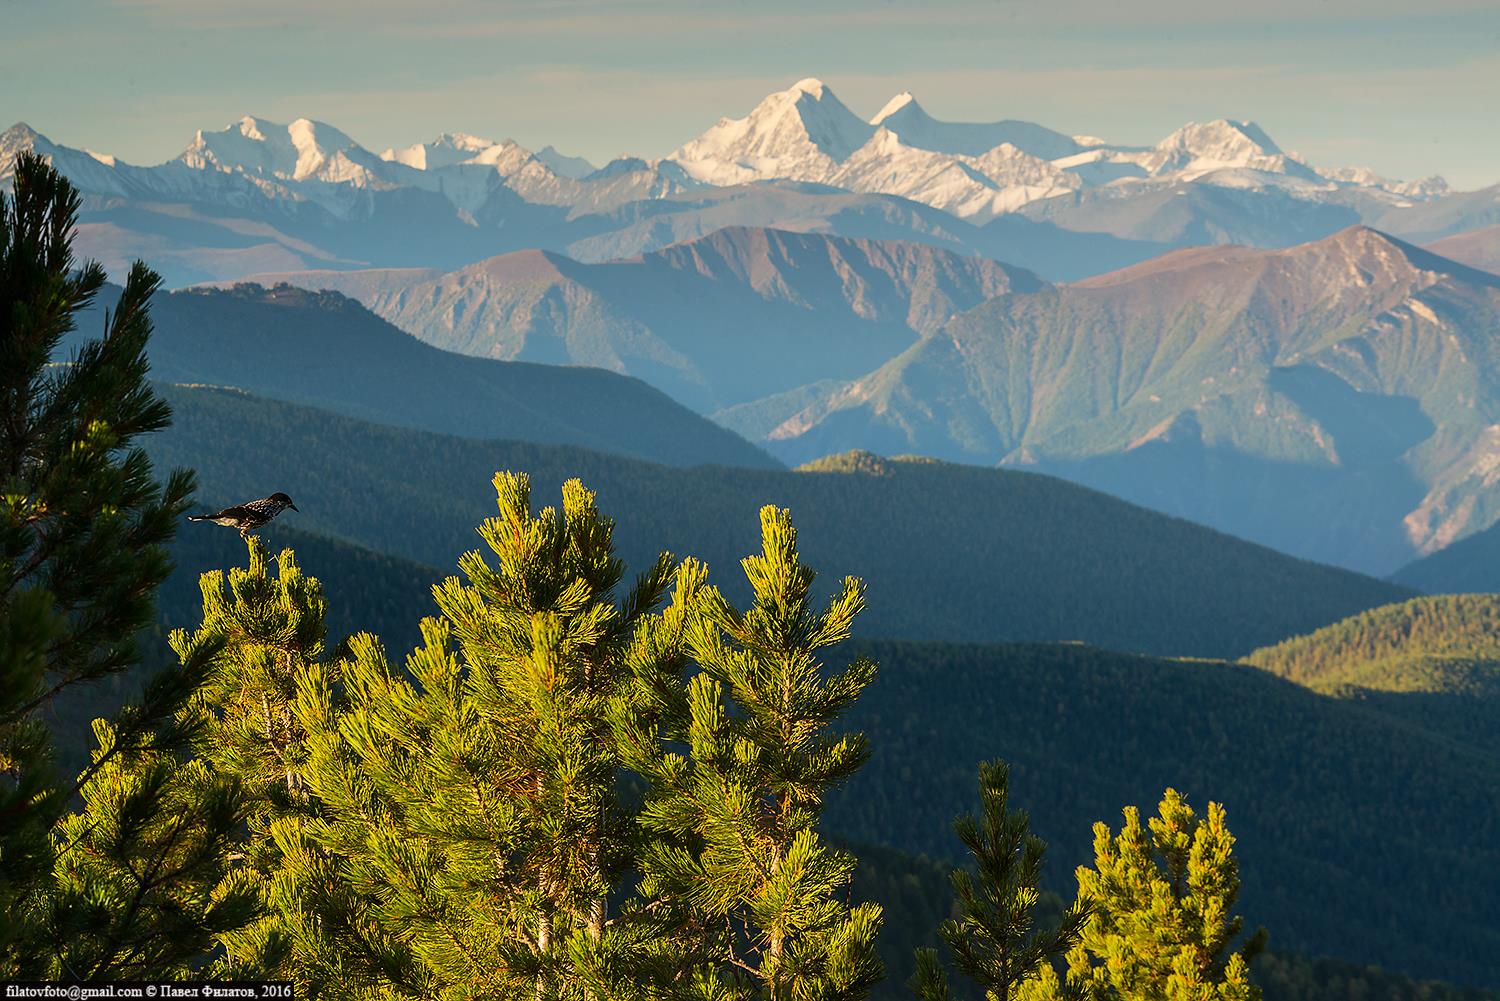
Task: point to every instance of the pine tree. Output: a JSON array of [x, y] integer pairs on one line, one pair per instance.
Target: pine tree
[[1163, 931], [993, 941], [269, 627], [145, 883], [135, 878], [736, 815], [475, 800]]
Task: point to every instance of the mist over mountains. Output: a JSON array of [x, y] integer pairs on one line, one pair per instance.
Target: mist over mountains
[[723, 320]]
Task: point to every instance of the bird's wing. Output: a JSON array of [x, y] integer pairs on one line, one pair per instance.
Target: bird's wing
[[238, 511]]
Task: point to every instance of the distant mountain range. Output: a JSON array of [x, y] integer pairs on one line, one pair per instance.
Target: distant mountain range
[[980, 171], [1469, 566], [323, 349], [722, 320], [817, 282], [1336, 400], [1478, 248], [259, 196], [1333, 400]]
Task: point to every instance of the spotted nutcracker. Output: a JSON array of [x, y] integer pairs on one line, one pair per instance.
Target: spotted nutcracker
[[250, 516]]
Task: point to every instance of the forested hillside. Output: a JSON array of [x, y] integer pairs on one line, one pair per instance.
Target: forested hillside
[[916, 892], [1433, 662], [1344, 818], [950, 552], [328, 351], [1372, 648], [1469, 566]]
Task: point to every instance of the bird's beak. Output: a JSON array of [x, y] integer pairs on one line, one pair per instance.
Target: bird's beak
[[294, 508]]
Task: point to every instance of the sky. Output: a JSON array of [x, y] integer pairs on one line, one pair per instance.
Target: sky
[[1409, 89]]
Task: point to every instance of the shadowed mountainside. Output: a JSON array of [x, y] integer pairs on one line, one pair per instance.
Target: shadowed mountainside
[[1344, 818], [952, 552], [327, 351]]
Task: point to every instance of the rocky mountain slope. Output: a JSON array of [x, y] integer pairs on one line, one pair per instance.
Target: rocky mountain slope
[[721, 320], [1337, 400]]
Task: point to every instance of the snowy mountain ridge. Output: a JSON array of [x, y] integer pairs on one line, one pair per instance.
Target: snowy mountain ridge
[[258, 196], [980, 170], [974, 171]]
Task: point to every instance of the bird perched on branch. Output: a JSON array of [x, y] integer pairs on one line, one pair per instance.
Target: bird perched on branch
[[249, 516]]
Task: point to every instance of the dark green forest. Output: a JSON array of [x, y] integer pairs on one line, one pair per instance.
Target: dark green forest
[[1429, 662], [950, 552], [1472, 564], [1344, 815]]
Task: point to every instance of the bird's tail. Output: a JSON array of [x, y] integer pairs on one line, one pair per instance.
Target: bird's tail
[[200, 517]]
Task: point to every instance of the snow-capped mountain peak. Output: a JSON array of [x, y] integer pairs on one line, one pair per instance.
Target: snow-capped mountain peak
[[1221, 140], [19, 138], [796, 132], [444, 151], [563, 165], [974, 172], [298, 151], [892, 106], [811, 86], [1363, 177], [909, 120], [90, 171], [1234, 153]]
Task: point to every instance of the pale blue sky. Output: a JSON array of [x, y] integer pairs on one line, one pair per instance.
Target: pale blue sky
[[1406, 88]]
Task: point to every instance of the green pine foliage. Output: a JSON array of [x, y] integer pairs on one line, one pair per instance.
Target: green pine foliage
[[145, 883], [474, 799], [270, 626], [995, 940], [269, 629], [364, 590], [136, 880], [1163, 927], [737, 807]]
